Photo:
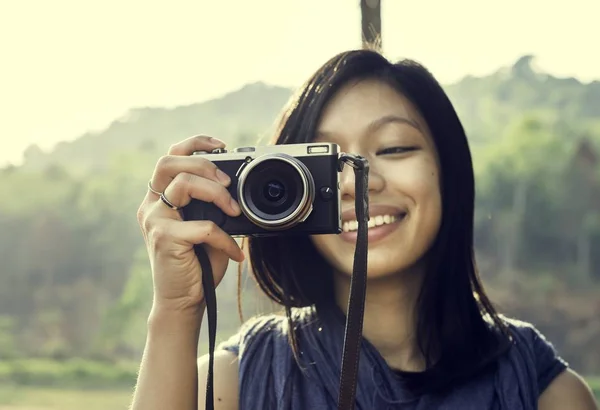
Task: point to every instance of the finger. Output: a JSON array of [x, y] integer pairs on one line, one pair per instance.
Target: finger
[[169, 166], [170, 232], [186, 187], [196, 143]]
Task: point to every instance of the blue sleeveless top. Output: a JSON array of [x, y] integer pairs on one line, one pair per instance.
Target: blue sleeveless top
[[269, 377]]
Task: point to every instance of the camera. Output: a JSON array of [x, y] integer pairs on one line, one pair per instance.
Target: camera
[[281, 189]]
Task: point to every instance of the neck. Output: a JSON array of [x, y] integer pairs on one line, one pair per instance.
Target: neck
[[390, 317]]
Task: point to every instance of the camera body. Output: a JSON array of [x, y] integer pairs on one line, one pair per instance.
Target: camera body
[[281, 189]]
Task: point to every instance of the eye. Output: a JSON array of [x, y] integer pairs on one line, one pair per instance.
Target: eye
[[396, 150]]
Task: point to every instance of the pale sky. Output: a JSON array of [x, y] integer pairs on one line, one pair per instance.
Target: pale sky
[[69, 66]]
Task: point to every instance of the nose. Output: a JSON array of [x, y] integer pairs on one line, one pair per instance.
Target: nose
[[348, 187]]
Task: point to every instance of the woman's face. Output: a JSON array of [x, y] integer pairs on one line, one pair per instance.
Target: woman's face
[[372, 119]]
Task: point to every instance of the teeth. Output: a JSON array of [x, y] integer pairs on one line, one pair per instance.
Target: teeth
[[374, 221]]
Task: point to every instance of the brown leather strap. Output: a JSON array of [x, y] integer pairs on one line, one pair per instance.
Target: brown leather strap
[[208, 285], [358, 287]]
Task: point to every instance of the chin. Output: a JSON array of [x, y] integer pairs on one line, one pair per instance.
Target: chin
[[384, 267], [382, 262], [389, 255]]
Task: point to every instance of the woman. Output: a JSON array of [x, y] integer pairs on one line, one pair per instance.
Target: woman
[[432, 338]]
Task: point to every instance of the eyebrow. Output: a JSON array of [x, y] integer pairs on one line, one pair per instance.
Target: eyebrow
[[380, 122], [387, 119]]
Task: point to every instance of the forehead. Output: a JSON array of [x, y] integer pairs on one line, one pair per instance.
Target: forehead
[[359, 103]]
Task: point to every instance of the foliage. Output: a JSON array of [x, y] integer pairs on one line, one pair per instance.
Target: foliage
[[75, 279], [72, 373], [43, 398]]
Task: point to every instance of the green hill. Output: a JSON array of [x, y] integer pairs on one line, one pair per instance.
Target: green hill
[[74, 278], [487, 105]]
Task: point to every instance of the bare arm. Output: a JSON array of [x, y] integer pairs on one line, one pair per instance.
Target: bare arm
[[567, 391], [171, 377], [168, 377]]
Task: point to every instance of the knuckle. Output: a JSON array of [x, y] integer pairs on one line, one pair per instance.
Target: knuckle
[[201, 137], [206, 165], [181, 182], [216, 195], [159, 235], [146, 223], [223, 197], [210, 228], [164, 161]]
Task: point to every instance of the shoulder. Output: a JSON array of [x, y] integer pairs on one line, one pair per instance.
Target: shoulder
[[265, 332], [255, 333], [567, 391], [225, 380], [557, 384], [256, 360], [538, 351], [228, 360]]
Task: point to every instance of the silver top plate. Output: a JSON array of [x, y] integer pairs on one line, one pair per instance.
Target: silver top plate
[[294, 150]]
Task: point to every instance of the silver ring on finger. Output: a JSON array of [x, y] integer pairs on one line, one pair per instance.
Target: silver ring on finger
[[167, 202], [154, 191]]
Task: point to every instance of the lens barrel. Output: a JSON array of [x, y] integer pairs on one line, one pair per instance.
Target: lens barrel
[[276, 191]]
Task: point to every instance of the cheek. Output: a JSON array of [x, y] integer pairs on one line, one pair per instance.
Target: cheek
[[416, 179]]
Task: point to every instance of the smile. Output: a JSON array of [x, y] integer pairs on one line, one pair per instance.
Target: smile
[[374, 221], [380, 226]]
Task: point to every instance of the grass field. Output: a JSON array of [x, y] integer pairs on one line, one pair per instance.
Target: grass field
[[33, 398]]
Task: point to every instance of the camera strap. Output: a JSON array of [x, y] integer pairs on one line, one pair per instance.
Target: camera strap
[[358, 284], [356, 300]]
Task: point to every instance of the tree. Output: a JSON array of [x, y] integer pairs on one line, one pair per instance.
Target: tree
[[370, 11], [581, 190]]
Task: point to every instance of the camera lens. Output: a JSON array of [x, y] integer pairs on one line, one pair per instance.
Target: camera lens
[[276, 191], [269, 198]]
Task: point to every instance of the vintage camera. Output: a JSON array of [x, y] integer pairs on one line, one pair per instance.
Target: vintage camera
[[281, 189]]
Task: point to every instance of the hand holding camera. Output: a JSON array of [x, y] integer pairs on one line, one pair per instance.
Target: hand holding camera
[[202, 194], [178, 179]]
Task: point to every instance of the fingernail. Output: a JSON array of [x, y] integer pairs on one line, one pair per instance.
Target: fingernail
[[223, 177], [235, 206]]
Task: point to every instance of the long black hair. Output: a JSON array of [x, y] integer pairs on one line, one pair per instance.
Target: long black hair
[[458, 328]]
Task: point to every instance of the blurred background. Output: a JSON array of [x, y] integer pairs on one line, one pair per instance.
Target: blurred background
[[92, 93]]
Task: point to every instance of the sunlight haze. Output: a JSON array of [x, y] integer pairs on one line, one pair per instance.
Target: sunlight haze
[[73, 66]]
